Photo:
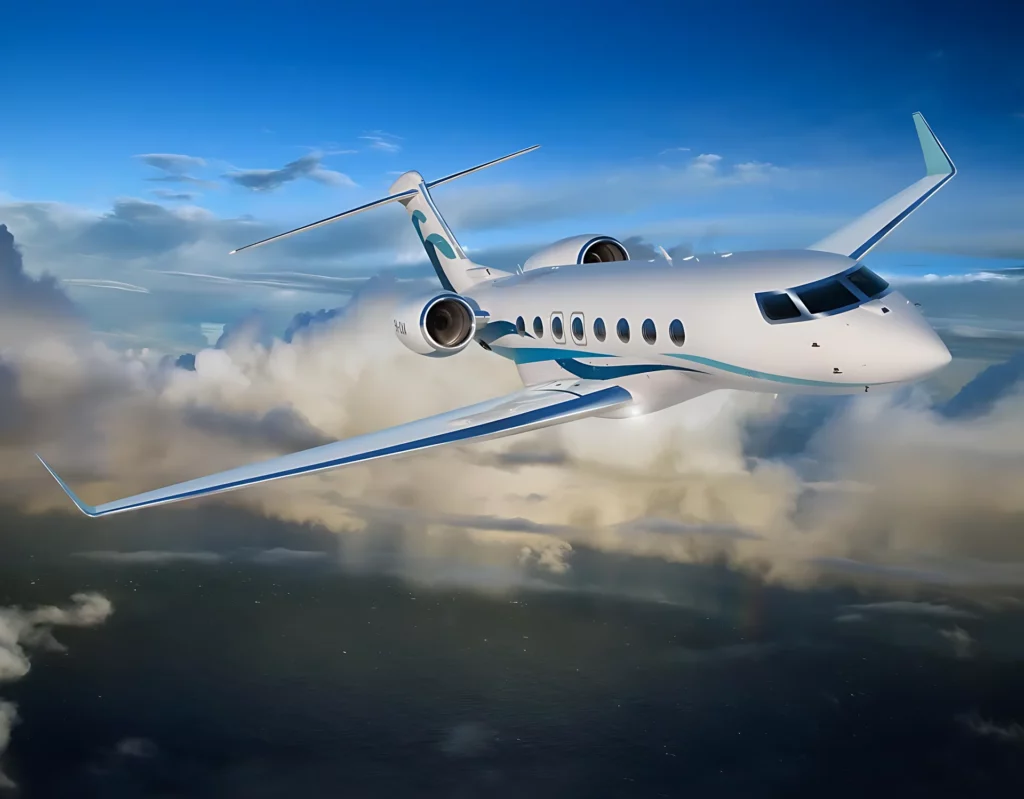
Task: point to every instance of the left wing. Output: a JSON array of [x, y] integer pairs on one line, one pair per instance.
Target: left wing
[[529, 409], [865, 232]]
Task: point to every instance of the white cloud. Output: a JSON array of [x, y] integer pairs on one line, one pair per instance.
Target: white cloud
[[906, 607], [24, 630], [679, 485], [385, 142], [1012, 733], [960, 640], [96, 283]]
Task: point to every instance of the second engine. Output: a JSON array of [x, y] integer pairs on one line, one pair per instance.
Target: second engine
[[587, 249], [436, 325]]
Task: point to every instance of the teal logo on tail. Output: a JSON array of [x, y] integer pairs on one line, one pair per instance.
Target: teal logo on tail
[[432, 243], [418, 217]]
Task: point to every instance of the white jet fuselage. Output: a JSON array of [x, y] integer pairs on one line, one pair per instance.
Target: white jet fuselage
[[728, 342]]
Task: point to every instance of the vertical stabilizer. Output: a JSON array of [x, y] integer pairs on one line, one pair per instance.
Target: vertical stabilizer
[[446, 256]]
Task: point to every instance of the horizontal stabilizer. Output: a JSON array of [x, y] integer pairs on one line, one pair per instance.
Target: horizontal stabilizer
[[863, 234], [397, 197]]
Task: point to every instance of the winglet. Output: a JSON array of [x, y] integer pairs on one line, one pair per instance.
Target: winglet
[[860, 236], [936, 159], [88, 510]]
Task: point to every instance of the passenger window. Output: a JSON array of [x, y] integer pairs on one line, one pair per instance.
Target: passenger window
[[778, 306], [538, 327], [867, 282], [649, 331], [599, 331], [677, 333], [557, 332], [825, 297], [622, 328], [520, 326], [579, 331]]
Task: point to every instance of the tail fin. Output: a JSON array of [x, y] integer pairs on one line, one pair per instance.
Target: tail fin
[[445, 254], [455, 271]]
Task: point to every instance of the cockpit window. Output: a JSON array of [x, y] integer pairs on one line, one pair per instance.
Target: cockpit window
[[778, 306], [868, 282], [831, 295]]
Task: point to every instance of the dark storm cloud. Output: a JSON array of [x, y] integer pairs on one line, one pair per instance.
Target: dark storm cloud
[[308, 166], [18, 291]]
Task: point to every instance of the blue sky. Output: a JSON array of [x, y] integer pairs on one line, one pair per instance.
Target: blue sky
[[816, 96]]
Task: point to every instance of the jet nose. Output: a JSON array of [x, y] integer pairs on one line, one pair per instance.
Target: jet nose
[[926, 352]]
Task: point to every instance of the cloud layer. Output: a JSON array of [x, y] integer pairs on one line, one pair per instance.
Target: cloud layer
[[763, 484]]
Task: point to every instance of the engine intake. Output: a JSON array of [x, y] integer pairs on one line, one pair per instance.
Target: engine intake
[[436, 326], [588, 249]]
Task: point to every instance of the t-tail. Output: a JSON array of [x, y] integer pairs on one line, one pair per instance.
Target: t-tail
[[454, 269]]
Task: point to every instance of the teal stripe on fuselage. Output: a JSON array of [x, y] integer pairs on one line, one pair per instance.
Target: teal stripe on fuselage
[[739, 370], [537, 354]]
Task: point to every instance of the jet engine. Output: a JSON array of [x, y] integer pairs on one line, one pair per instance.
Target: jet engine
[[436, 325], [578, 250]]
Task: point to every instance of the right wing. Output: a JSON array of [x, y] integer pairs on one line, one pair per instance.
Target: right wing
[[865, 232], [528, 409]]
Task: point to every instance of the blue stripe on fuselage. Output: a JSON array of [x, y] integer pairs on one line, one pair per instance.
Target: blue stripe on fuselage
[[576, 367]]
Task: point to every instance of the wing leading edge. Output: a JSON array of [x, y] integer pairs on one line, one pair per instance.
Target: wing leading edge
[[864, 233], [529, 409]]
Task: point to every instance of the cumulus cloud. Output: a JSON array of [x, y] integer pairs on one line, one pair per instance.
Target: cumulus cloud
[[22, 630], [937, 501], [308, 166]]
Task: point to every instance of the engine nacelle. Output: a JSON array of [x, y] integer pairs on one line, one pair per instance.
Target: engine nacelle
[[578, 250], [436, 325]]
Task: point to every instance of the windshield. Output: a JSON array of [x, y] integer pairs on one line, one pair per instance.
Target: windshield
[[825, 297], [778, 306], [867, 282]]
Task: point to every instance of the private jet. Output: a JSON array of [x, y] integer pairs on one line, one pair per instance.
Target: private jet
[[595, 334]]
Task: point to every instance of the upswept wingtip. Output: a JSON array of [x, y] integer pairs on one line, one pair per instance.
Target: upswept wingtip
[[88, 510]]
